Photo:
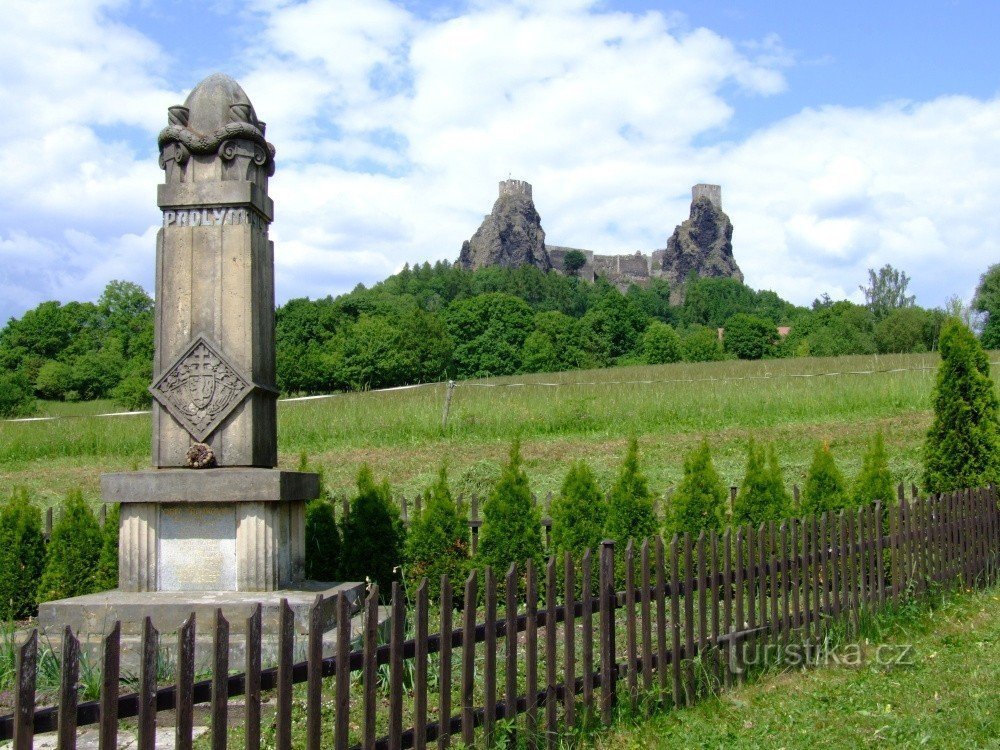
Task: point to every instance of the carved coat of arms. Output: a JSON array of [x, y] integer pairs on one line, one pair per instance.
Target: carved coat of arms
[[201, 389]]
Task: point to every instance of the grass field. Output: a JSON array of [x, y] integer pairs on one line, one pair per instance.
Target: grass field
[[590, 414], [942, 695]]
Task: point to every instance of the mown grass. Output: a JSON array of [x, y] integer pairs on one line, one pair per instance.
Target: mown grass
[[945, 696], [589, 414]]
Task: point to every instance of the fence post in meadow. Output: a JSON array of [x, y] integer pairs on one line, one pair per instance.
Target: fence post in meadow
[[26, 670], [405, 505], [48, 523], [345, 508], [184, 722], [474, 524], [110, 668], [447, 404], [68, 680], [102, 514], [733, 489], [609, 668]]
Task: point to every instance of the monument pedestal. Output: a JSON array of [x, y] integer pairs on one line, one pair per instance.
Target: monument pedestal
[[229, 529]]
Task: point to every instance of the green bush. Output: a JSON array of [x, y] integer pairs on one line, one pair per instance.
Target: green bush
[[22, 556], [579, 512], [824, 487], [132, 392], [16, 396], [74, 552], [874, 481], [962, 448], [749, 336], [438, 541], [630, 505], [373, 535], [511, 531], [53, 380], [762, 495], [701, 344], [660, 344], [700, 500], [106, 577], [323, 544]]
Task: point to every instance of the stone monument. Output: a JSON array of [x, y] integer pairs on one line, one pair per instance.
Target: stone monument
[[214, 523]]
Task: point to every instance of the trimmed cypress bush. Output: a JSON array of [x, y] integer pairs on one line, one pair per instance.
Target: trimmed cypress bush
[[962, 448], [762, 495], [323, 545], [700, 500], [630, 505], [323, 542], [438, 541], [22, 556], [373, 535], [74, 552], [874, 481], [579, 512], [824, 488], [511, 531], [106, 577]]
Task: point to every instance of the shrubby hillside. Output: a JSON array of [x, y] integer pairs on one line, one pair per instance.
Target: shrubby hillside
[[434, 322]]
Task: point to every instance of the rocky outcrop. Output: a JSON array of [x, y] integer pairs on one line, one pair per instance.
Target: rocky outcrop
[[703, 243], [511, 235]]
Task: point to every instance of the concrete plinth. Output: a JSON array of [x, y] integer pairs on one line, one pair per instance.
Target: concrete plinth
[[92, 616]]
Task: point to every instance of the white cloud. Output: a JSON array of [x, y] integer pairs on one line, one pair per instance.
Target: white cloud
[[392, 131]]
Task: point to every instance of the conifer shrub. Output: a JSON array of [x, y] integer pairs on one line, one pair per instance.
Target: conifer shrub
[[762, 495], [824, 487], [962, 448], [700, 500], [511, 530], [874, 481], [73, 553], [438, 540], [22, 556], [630, 505], [106, 576], [323, 544], [373, 535], [579, 512], [322, 537]]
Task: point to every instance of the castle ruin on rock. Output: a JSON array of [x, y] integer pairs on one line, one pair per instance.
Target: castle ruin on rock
[[512, 235]]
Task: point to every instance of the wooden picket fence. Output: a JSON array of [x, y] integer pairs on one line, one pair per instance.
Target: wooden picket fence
[[541, 651]]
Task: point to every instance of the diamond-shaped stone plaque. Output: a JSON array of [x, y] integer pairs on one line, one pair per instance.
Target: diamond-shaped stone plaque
[[201, 388]]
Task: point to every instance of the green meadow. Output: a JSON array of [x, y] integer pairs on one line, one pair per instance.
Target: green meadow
[[559, 417]]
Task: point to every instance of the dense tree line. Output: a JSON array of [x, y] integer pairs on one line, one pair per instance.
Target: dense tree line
[[434, 322]]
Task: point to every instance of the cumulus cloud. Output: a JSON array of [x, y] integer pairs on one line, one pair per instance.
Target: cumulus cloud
[[393, 129]]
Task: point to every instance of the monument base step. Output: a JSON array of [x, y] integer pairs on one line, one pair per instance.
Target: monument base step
[[92, 616]]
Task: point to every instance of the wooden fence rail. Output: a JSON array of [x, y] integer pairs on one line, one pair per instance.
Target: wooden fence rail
[[674, 620]]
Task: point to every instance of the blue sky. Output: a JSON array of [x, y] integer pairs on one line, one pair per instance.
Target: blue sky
[[845, 136]]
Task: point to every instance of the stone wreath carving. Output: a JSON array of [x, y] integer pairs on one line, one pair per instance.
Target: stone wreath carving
[[177, 141]]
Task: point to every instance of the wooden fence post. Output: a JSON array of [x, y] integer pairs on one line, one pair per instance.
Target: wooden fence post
[[510, 645], [314, 676], [147, 686], [444, 659], [369, 669], [253, 659], [569, 641], [286, 643], [110, 668], [469, 660], [342, 680], [609, 667], [26, 670], [420, 667], [184, 723], [68, 691], [490, 660], [220, 682], [396, 638]]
